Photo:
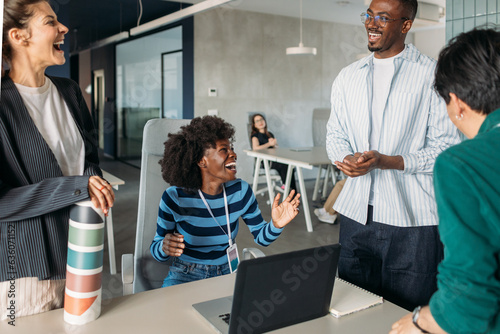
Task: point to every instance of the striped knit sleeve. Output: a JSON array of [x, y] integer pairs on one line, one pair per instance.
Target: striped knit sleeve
[[165, 224], [264, 233]]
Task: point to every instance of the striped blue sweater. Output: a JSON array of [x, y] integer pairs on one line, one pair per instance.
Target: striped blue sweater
[[205, 240]]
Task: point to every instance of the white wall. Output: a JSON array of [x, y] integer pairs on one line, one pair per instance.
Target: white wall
[[430, 42]]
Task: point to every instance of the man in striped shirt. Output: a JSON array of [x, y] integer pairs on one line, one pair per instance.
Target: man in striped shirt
[[385, 131]]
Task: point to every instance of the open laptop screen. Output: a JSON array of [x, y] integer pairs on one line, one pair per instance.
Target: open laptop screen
[[284, 289]]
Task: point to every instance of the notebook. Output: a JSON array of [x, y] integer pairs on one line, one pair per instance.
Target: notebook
[[276, 291], [348, 298]]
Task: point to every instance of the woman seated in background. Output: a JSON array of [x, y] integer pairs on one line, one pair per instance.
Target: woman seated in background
[[48, 161], [205, 198], [467, 186], [261, 139]]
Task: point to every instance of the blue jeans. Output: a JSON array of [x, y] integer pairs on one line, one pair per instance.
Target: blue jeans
[[398, 263], [183, 272]]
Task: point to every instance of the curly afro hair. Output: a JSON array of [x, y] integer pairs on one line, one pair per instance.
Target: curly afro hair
[[184, 149]]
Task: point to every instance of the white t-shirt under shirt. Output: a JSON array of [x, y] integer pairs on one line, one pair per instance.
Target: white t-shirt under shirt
[[57, 126], [383, 71]]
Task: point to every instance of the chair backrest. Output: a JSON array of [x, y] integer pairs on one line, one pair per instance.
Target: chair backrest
[[149, 273], [320, 118]]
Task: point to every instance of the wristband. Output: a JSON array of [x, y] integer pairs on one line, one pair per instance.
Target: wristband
[[414, 318]]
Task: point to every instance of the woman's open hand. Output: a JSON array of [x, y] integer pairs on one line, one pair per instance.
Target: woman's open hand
[[101, 193], [283, 213]]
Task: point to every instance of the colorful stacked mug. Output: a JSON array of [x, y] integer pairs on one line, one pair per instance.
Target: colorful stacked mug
[[82, 301]]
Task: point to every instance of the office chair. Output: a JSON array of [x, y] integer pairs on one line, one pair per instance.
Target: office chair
[[257, 165], [320, 119], [140, 271]]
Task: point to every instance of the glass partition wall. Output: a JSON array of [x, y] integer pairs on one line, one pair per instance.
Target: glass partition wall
[[148, 85]]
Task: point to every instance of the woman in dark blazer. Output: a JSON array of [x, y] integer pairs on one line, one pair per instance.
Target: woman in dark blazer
[[48, 160]]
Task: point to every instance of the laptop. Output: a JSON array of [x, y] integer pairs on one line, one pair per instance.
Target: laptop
[[276, 291]]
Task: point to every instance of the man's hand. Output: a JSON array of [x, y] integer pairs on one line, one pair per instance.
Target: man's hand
[[356, 165], [361, 164]]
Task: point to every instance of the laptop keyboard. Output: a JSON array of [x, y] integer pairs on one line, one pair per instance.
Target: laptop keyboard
[[225, 317]]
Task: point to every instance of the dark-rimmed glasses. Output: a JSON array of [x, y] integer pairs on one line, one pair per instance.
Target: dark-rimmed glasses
[[381, 21]]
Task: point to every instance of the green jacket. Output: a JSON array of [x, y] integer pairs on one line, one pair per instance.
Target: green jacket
[[467, 186]]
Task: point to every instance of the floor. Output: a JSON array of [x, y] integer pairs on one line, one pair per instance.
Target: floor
[[294, 237]]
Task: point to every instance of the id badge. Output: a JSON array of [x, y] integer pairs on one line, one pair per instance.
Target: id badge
[[233, 257]]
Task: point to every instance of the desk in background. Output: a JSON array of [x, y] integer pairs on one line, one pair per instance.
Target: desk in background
[[115, 182], [294, 158], [169, 310]]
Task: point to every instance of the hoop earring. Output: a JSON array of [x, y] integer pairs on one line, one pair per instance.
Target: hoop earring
[[459, 118]]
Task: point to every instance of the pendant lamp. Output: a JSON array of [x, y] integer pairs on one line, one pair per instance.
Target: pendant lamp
[[301, 49]]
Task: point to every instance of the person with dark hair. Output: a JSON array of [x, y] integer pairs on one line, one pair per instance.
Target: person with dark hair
[[386, 128], [198, 218], [467, 185], [48, 161], [262, 139]]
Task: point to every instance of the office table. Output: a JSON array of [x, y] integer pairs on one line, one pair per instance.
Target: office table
[[294, 158], [115, 182], [168, 310]]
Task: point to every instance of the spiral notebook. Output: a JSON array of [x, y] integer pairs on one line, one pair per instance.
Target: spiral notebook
[[348, 298]]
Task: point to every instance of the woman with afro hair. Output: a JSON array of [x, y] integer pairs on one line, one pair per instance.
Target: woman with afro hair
[[205, 198]]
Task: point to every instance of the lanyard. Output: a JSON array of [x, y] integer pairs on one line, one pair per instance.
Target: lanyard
[[227, 214]]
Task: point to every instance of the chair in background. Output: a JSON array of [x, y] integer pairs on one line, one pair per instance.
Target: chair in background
[[320, 119], [140, 271], [275, 178]]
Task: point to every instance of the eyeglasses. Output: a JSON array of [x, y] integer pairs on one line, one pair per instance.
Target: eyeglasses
[[381, 21]]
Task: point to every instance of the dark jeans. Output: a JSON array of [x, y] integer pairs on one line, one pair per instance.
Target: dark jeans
[[398, 263]]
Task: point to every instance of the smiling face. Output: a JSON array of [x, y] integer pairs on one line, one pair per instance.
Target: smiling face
[[218, 166], [259, 123], [387, 41], [44, 37]]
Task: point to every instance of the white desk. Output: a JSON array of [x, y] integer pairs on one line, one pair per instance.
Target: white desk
[[314, 156], [115, 182], [169, 310]]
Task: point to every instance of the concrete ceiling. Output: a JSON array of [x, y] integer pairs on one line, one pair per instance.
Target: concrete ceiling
[[322, 10], [93, 20]]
